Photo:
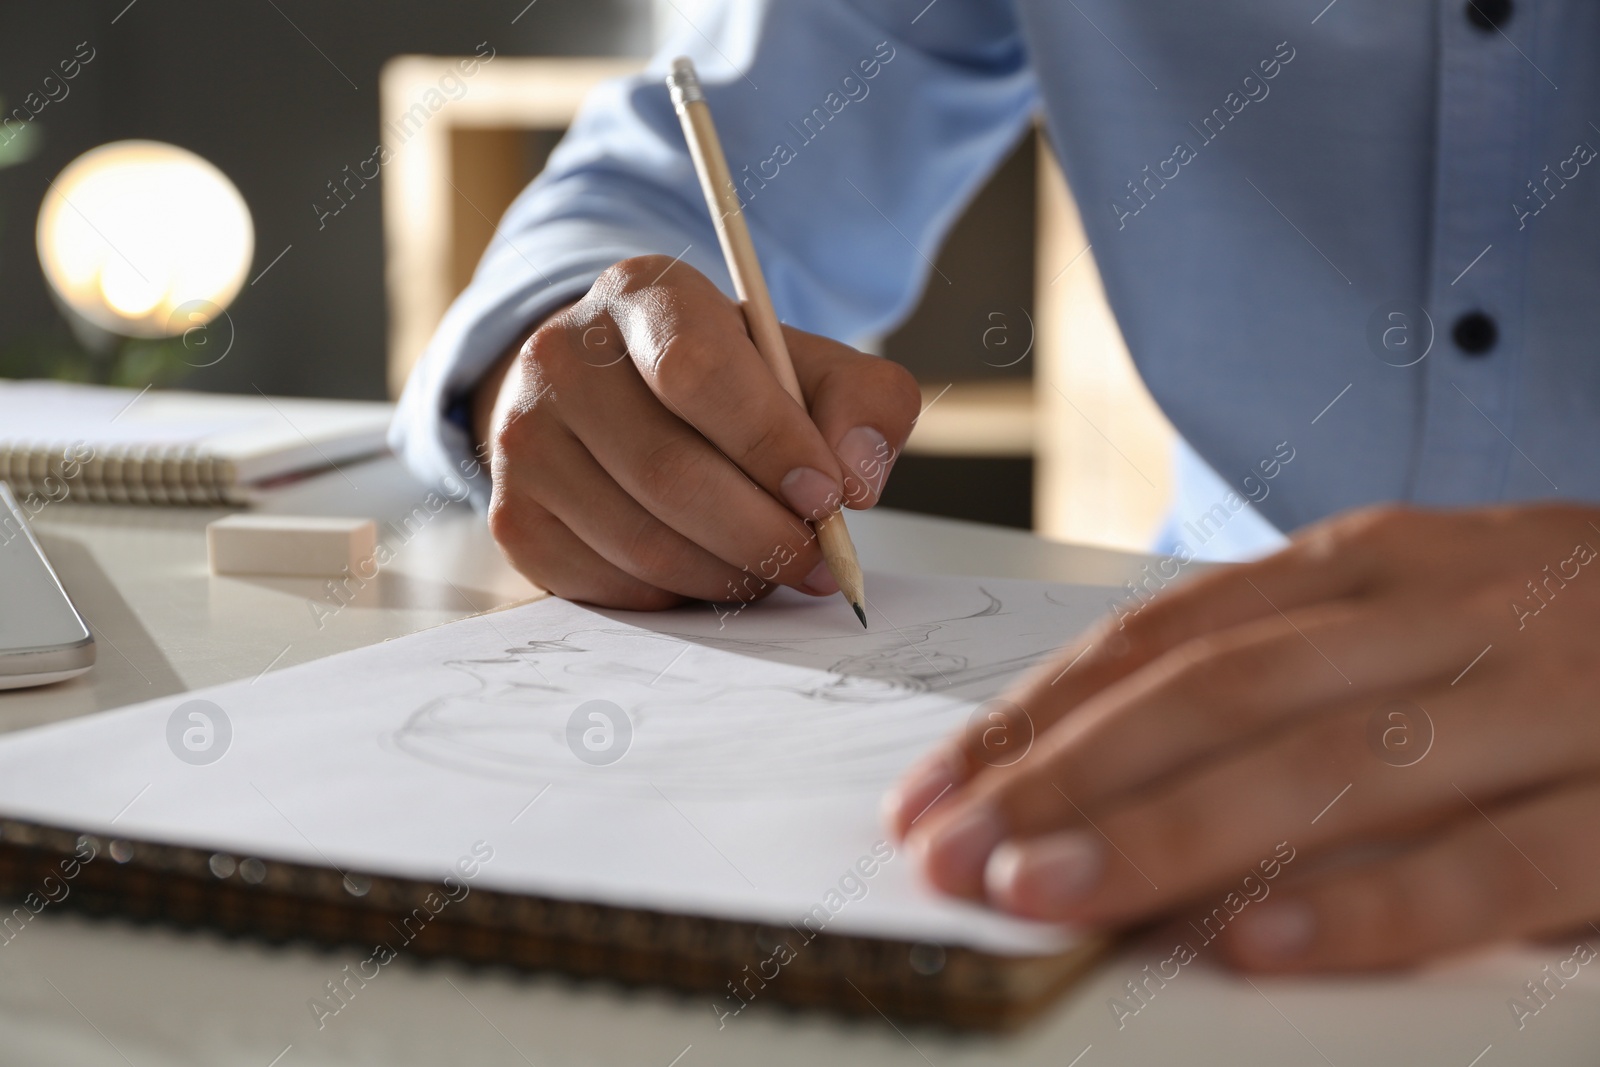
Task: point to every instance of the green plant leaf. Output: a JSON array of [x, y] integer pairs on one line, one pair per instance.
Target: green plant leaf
[[18, 142]]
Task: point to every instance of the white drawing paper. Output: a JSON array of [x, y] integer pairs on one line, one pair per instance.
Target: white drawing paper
[[698, 761]]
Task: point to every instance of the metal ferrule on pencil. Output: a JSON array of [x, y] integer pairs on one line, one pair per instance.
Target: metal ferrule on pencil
[[684, 83]]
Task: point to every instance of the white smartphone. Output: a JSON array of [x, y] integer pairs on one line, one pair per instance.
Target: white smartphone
[[42, 637]]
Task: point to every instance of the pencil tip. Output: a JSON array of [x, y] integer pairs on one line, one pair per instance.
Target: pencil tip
[[862, 615]]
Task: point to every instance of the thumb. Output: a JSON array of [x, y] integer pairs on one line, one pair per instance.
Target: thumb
[[864, 407]]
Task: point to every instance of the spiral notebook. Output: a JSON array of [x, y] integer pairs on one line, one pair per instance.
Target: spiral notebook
[[686, 798], [98, 443]]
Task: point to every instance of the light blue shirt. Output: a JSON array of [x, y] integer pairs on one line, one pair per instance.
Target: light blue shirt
[[1293, 205]]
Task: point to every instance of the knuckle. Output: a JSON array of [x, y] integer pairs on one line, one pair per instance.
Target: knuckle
[[1208, 666], [1368, 538], [507, 438], [628, 279], [530, 537], [1121, 645], [683, 369], [514, 438], [1023, 790], [544, 352], [521, 524], [769, 434], [504, 524], [640, 269], [1196, 658], [1314, 547], [524, 534], [1380, 522], [1150, 633], [651, 557], [628, 275], [674, 473], [655, 555]]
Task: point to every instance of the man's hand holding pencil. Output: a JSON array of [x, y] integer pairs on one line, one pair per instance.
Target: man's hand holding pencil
[[643, 454]]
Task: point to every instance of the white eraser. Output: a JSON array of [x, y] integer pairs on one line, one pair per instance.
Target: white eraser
[[298, 545]]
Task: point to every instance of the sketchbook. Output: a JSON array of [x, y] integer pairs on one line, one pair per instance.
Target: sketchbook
[[688, 797], [97, 443]]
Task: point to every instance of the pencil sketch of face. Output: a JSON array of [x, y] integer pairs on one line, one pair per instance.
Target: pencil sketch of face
[[716, 715]]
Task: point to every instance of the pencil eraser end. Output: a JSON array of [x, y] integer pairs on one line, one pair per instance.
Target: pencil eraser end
[[306, 546], [684, 82]]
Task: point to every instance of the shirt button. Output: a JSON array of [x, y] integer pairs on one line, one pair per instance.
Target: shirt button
[[1488, 15], [1475, 333]]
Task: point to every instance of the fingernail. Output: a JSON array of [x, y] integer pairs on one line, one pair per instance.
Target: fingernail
[[820, 581], [1042, 877], [1277, 931], [866, 459], [955, 855], [916, 792], [810, 493]]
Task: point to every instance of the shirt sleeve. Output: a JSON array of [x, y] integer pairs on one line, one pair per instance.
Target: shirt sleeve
[[856, 131]]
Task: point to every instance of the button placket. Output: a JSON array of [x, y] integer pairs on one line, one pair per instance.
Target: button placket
[[1483, 127]]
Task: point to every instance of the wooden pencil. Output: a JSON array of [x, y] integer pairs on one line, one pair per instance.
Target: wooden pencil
[[705, 148]]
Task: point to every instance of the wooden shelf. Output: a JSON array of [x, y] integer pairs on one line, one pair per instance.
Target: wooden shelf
[[994, 419], [452, 174]]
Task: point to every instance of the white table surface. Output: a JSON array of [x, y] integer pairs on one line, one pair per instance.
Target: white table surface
[[89, 992]]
